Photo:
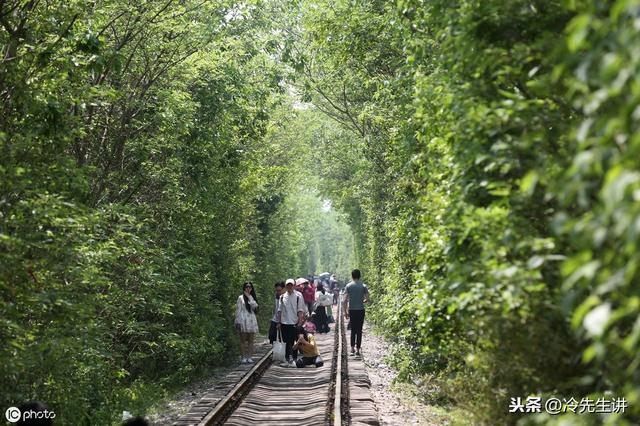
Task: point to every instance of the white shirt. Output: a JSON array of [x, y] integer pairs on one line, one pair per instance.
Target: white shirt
[[289, 306], [324, 299], [247, 320]]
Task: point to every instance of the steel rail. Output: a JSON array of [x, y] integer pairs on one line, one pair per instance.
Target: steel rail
[[222, 411], [337, 397], [225, 407]]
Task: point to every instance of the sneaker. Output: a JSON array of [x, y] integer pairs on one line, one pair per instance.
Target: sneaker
[[358, 352], [284, 364], [243, 361], [353, 352], [292, 364], [250, 361]]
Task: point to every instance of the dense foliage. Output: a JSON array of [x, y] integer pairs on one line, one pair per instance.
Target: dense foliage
[[140, 188], [491, 178], [483, 154]]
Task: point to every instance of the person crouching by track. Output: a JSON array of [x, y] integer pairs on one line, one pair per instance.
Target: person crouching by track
[[246, 321], [273, 328], [307, 344], [290, 313]]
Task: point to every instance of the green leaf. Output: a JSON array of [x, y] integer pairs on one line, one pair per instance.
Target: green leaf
[[578, 29], [528, 182]]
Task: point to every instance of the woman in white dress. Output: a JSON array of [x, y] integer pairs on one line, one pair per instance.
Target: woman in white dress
[[246, 321]]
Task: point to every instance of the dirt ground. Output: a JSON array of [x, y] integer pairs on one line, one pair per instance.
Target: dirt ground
[[396, 405], [168, 411]]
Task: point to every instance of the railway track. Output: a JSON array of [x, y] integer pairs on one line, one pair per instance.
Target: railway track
[[268, 394]]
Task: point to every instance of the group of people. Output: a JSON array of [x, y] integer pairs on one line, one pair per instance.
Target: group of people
[[300, 309], [292, 318]]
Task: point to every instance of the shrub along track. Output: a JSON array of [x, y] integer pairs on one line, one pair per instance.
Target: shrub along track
[[268, 394]]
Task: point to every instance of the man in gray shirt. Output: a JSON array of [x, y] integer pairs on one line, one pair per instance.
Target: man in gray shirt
[[356, 295]]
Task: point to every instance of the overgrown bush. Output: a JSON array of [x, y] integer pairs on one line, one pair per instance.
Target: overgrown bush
[[508, 189]]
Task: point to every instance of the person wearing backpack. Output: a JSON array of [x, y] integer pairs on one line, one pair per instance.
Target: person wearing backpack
[[279, 290], [290, 313]]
